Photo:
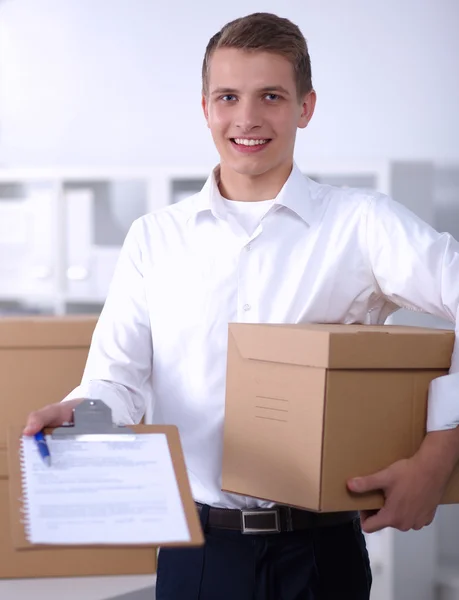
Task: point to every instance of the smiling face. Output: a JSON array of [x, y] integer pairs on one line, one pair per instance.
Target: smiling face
[[253, 111]]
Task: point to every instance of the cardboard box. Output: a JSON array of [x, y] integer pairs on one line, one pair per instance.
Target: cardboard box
[[310, 406], [41, 361]]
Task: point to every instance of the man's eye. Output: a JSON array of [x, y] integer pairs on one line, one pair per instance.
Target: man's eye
[[272, 97], [228, 97]]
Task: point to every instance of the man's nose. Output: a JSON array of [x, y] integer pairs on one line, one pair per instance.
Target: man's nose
[[249, 116]]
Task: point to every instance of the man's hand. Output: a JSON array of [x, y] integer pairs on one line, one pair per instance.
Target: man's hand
[[411, 497], [53, 415], [413, 487]]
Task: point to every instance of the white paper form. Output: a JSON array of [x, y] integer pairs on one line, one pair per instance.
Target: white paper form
[[115, 489]]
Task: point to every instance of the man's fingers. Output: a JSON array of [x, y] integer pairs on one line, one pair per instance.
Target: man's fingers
[[400, 519], [32, 426], [49, 416], [366, 514], [53, 415], [35, 422], [375, 521], [376, 481]]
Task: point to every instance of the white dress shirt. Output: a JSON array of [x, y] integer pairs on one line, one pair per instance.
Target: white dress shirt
[[319, 254]]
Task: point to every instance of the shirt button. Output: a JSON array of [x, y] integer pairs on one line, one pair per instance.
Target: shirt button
[[248, 247], [246, 307]]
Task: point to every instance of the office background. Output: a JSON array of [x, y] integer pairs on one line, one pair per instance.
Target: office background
[[100, 121], [96, 82]]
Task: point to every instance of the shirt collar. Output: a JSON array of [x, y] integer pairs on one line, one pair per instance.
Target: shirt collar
[[294, 195]]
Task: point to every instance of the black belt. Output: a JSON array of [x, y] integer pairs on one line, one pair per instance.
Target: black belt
[[273, 520]]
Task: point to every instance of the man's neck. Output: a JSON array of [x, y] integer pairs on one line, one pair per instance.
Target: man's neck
[[236, 186]]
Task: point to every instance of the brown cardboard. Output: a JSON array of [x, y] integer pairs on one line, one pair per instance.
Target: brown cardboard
[[310, 406], [41, 361], [178, 462]]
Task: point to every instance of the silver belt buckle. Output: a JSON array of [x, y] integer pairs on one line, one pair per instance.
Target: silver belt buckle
[[254, 530]]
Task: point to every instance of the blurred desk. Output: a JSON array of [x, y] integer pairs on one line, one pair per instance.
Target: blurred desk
[[124, 587]]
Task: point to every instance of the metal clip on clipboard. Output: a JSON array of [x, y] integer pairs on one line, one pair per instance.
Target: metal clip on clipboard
[[90, 418]]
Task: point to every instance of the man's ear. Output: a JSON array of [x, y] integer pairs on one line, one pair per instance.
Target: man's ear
[[308, 105], [205, 109]]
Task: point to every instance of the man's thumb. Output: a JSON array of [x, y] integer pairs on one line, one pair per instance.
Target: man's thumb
[[31, 428], [376, 481]]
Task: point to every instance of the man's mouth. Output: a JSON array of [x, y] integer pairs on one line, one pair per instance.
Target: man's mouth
[[250, 142], [250, 145]]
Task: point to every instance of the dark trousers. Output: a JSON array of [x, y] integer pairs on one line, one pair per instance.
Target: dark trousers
[[326, 563]]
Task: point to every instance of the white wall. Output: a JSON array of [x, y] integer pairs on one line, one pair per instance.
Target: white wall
[[117, 82]]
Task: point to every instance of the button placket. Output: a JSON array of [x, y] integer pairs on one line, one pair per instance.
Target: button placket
[[247, 310]]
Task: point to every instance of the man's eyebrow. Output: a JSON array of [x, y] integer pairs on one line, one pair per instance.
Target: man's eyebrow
[[275, 88], [223, 90], [265, 89]]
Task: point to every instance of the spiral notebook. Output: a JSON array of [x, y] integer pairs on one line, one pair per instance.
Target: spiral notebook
[[109, 489]]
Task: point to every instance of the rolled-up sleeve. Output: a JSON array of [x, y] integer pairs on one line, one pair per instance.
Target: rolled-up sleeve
[[417, 268], [119, 366]]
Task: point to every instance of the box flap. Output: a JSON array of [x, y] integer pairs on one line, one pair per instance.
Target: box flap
[[337, 346], [46, 332]]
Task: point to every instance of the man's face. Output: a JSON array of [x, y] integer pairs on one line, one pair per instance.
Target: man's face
[[253, 111]]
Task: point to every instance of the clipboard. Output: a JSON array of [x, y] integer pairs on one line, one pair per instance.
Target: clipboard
[[94, 418]]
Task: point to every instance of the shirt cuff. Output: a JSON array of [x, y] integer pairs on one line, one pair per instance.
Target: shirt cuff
[[108, 393], [443, 406]]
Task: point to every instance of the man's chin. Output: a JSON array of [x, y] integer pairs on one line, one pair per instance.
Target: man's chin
[[249, 168]]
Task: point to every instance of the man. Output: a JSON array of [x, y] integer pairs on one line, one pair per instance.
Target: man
[[262, 243]]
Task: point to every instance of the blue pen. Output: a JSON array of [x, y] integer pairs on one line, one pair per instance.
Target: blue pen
[[43, 448]]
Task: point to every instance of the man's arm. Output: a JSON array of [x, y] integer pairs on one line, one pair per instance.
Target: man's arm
[[119, 365], [417, 268]]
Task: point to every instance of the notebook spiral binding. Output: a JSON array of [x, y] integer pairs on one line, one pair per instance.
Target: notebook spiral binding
[[24, 500]]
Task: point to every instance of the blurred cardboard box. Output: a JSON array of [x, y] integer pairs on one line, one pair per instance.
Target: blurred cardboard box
[[41, 361], [310, 406]]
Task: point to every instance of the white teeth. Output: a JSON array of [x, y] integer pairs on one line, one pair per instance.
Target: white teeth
[[245, 142]]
